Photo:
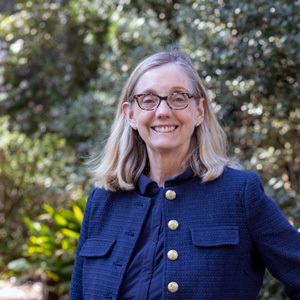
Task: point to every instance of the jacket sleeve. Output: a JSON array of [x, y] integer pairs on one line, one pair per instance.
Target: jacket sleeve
[[76, 292], [274, 239]]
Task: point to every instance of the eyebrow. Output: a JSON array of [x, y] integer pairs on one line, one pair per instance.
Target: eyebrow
[[173, 89]]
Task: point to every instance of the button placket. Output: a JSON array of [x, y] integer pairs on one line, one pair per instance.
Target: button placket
[[172, 254]]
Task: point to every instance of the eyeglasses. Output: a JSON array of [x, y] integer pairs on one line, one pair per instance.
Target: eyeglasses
[[176, 101]]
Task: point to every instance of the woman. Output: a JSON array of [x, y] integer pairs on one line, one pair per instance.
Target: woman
[[171, 218]]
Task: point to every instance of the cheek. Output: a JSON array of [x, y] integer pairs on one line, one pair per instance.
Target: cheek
[[142, 117], [190, 119], [143, 122]]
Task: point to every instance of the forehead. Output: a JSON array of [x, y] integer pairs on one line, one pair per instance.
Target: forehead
[[167, 78]]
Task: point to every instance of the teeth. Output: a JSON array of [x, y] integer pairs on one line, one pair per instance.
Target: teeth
[[164, 129]]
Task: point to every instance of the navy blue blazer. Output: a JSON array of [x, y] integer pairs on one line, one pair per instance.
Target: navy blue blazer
[[227, 232]]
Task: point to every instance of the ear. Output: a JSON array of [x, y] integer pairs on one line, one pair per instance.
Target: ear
[[127, 109], [200, 111]]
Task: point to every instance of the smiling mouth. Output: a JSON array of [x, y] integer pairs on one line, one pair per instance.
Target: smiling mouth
[[164, 129]]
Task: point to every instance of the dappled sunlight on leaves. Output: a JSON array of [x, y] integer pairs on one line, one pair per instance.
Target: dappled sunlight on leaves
[[62, 68]]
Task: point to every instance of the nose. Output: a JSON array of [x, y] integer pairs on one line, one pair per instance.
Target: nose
[[163, 110]]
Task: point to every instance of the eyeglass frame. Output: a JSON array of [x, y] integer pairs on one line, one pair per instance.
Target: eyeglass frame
[[136, 97]]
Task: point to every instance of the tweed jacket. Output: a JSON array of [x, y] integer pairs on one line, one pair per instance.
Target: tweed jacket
[[228, 231]]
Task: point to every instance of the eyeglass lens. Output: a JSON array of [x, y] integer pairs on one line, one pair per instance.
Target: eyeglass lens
[[176, 101]]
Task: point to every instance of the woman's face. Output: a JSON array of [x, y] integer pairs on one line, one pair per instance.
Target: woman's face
[[165, 130]]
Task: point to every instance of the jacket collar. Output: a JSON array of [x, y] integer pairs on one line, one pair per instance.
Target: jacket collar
[[146, 186]]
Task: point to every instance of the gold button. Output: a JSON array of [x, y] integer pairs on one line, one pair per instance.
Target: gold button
[[170, 195], [173, 224], [173, 287], [172, 255]]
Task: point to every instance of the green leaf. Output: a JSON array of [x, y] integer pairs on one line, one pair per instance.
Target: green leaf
[[59, 220], [78, 213], [70, 233], [49, 209]]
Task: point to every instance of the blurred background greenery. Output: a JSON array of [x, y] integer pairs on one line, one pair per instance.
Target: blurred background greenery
[[62, 66]]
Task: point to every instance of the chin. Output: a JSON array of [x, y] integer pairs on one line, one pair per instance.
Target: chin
[[164, 148]]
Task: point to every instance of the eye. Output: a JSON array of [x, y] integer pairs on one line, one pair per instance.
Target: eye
[[178, 98], [148, 99]]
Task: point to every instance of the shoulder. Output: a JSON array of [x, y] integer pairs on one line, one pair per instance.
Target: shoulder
[[102, 198], [250, 188], [237, 181], [235, 173], [235, 176], [97, 197], [98, 193]]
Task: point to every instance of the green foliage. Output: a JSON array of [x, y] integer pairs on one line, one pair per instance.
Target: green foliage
[[51, 249], [33, 170], [62, 68]]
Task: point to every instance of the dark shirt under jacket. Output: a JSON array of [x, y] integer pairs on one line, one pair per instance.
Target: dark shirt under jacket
[[144, 276]]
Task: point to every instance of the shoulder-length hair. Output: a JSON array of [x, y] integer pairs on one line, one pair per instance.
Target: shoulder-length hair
[[124, 157]]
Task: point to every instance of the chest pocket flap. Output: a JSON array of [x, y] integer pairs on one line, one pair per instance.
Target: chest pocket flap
[[215, 236], [97, 247]]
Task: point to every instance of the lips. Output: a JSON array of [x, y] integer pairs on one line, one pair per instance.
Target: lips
[[164, 128]]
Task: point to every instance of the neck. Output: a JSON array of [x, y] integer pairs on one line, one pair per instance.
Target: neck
[[163, 167]]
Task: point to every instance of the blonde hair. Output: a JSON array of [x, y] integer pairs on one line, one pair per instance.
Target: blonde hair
[[125, 157]]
